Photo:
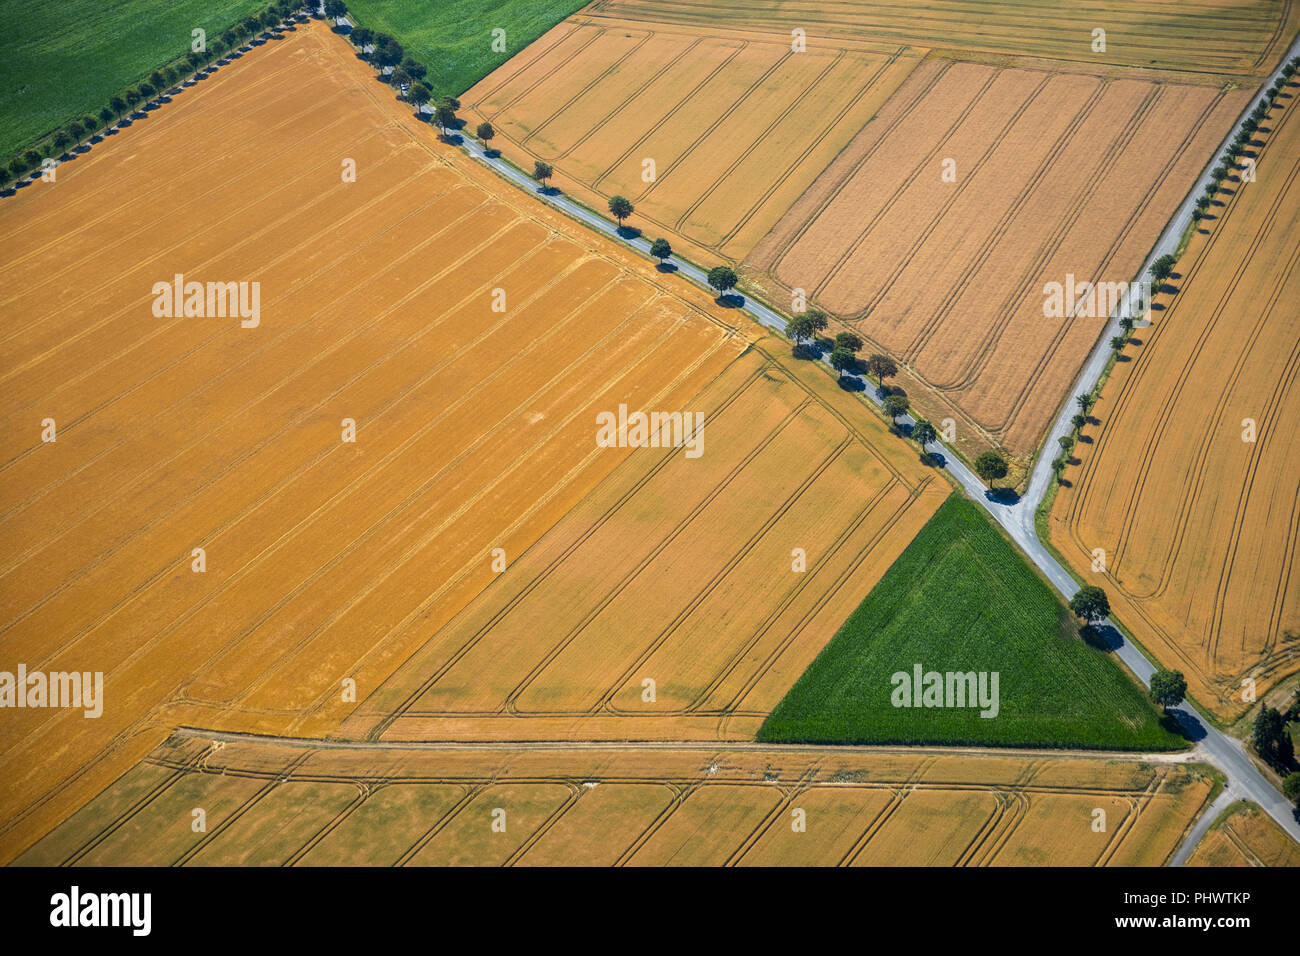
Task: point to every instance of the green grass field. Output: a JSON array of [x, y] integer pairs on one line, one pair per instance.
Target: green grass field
[[453, 38], [960, 599], [60, 61]]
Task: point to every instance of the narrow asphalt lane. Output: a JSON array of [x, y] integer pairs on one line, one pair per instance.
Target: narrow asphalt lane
[[1014, 515]]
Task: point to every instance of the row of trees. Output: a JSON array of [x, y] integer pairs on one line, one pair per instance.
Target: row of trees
[[408, 76], [1078, 420], [1168, 688], [77, 131], [1163, 268], [1245, 137], [806, 328]]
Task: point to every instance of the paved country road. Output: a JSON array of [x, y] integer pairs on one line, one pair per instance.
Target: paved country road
[[1017, 516]]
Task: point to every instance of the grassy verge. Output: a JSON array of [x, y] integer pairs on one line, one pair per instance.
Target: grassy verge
[[960, 599], [64, 60], [453, 38]]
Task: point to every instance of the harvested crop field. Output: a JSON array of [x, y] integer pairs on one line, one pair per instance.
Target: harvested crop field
[[1190, 486], [735, 124], [1053, 175], [323, 558], [626, 806], [821, 171], [683, 596], [1211, 36], [1245, 836]]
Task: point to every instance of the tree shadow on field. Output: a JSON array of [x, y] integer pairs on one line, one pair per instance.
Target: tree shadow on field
[[1185, 722], [1102, 637]]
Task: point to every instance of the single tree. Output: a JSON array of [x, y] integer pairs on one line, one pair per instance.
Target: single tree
[[445, 117], [1271, 740], [362, 37], [117, 105], [1086, 401], [990, 466], [1163, 268], [895, 405], [388, 52], [842, 360], [1090, 603], [484, 132], [1291, 787], [335, 9], [923, 433], [1079, 420], [414, 68], [542, 172], [1168, 688], [1203, 203], [882, 367], [820, 321], [62, 140], [620, 207], [848, 340], [661, 250], [1117, 342], [1058, 466], [450, 101], [722, 279], [1067, 443], [419, 95], [1127, 324], [800, 330]]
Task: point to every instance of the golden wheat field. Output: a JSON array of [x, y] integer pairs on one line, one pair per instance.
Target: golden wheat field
[[269, 804], [919, 171], [1189, 486], [1245, 836], [347, 465]]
